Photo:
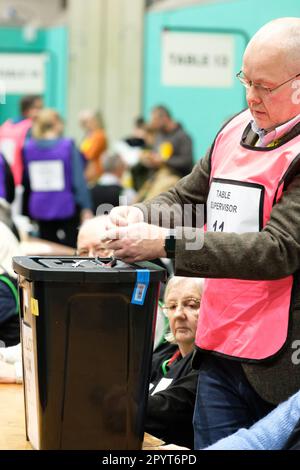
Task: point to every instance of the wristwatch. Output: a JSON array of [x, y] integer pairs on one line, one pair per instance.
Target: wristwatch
[[170, 244]]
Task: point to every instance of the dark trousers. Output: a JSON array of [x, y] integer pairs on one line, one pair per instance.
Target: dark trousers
[[225, 401]]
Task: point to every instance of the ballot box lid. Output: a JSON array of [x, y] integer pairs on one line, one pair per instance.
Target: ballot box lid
[[78, 269]]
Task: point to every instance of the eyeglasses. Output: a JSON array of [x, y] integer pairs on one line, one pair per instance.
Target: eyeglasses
[[263, 90], [97, 251], [191, 305]]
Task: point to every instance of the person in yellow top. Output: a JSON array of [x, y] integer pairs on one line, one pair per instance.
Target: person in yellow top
[[93, 144]]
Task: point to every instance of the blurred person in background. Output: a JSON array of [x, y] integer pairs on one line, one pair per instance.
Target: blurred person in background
[[109, 187], [169, 155], [93, 144], [13, 133], [88, 241], [155, 180], [55, 192], [137, 137], [172, 146], [130, 149]]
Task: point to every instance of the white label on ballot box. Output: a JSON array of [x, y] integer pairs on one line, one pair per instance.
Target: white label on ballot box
[[47, 176], [30, 382]]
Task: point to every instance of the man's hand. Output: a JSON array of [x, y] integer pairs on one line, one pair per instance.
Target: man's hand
[[137, 242], [126, 215]]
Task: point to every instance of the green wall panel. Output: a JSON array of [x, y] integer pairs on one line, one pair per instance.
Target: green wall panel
[[53, 42]]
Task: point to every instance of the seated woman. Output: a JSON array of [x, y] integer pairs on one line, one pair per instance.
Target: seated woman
[[173, 382]]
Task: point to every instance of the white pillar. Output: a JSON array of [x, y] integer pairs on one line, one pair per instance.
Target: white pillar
[[106, 43]]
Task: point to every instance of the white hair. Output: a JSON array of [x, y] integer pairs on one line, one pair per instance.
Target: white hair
[[174, 280], [96, 223]]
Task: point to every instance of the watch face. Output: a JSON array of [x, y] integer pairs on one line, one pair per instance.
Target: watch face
[[170, 245]]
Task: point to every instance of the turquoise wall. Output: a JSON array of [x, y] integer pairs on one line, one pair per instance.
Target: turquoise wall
[[203, 110], [54, 42], [57, 78]]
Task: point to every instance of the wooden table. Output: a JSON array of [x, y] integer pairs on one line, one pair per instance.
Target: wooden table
[[12, 421], [38, 247], [12, 418]]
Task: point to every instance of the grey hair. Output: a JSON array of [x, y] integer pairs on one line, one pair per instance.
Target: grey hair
[[111, 162], [92, 113], [97, 221], [175, 280]]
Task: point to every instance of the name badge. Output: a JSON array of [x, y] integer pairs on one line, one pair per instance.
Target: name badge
[[234, 206], [47, 176]]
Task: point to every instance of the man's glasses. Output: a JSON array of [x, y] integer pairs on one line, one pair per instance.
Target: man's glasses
[[263, 90], [190, 305]]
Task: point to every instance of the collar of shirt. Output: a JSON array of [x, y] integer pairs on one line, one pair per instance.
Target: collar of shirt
[[109, 179], [265, 138]]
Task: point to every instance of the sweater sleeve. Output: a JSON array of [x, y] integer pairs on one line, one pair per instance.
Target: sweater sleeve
[[248, 255], [229, 255], [270, 433], [81, 191]]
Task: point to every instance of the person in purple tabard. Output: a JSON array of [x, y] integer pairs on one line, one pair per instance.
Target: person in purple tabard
[[56, 195]]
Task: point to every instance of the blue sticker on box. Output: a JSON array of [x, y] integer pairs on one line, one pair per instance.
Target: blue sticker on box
[[141, 286]]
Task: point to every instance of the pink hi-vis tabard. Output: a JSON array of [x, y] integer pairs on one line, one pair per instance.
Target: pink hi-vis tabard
[[240, 318], [12, 140]]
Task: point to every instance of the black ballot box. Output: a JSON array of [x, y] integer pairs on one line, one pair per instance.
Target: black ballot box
[[87, 330]]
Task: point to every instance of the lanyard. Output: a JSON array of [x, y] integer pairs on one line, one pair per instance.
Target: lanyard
[[166, 364]]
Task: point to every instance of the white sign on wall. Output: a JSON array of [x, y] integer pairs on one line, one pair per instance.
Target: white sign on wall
[[197, 59], [23, 73]]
